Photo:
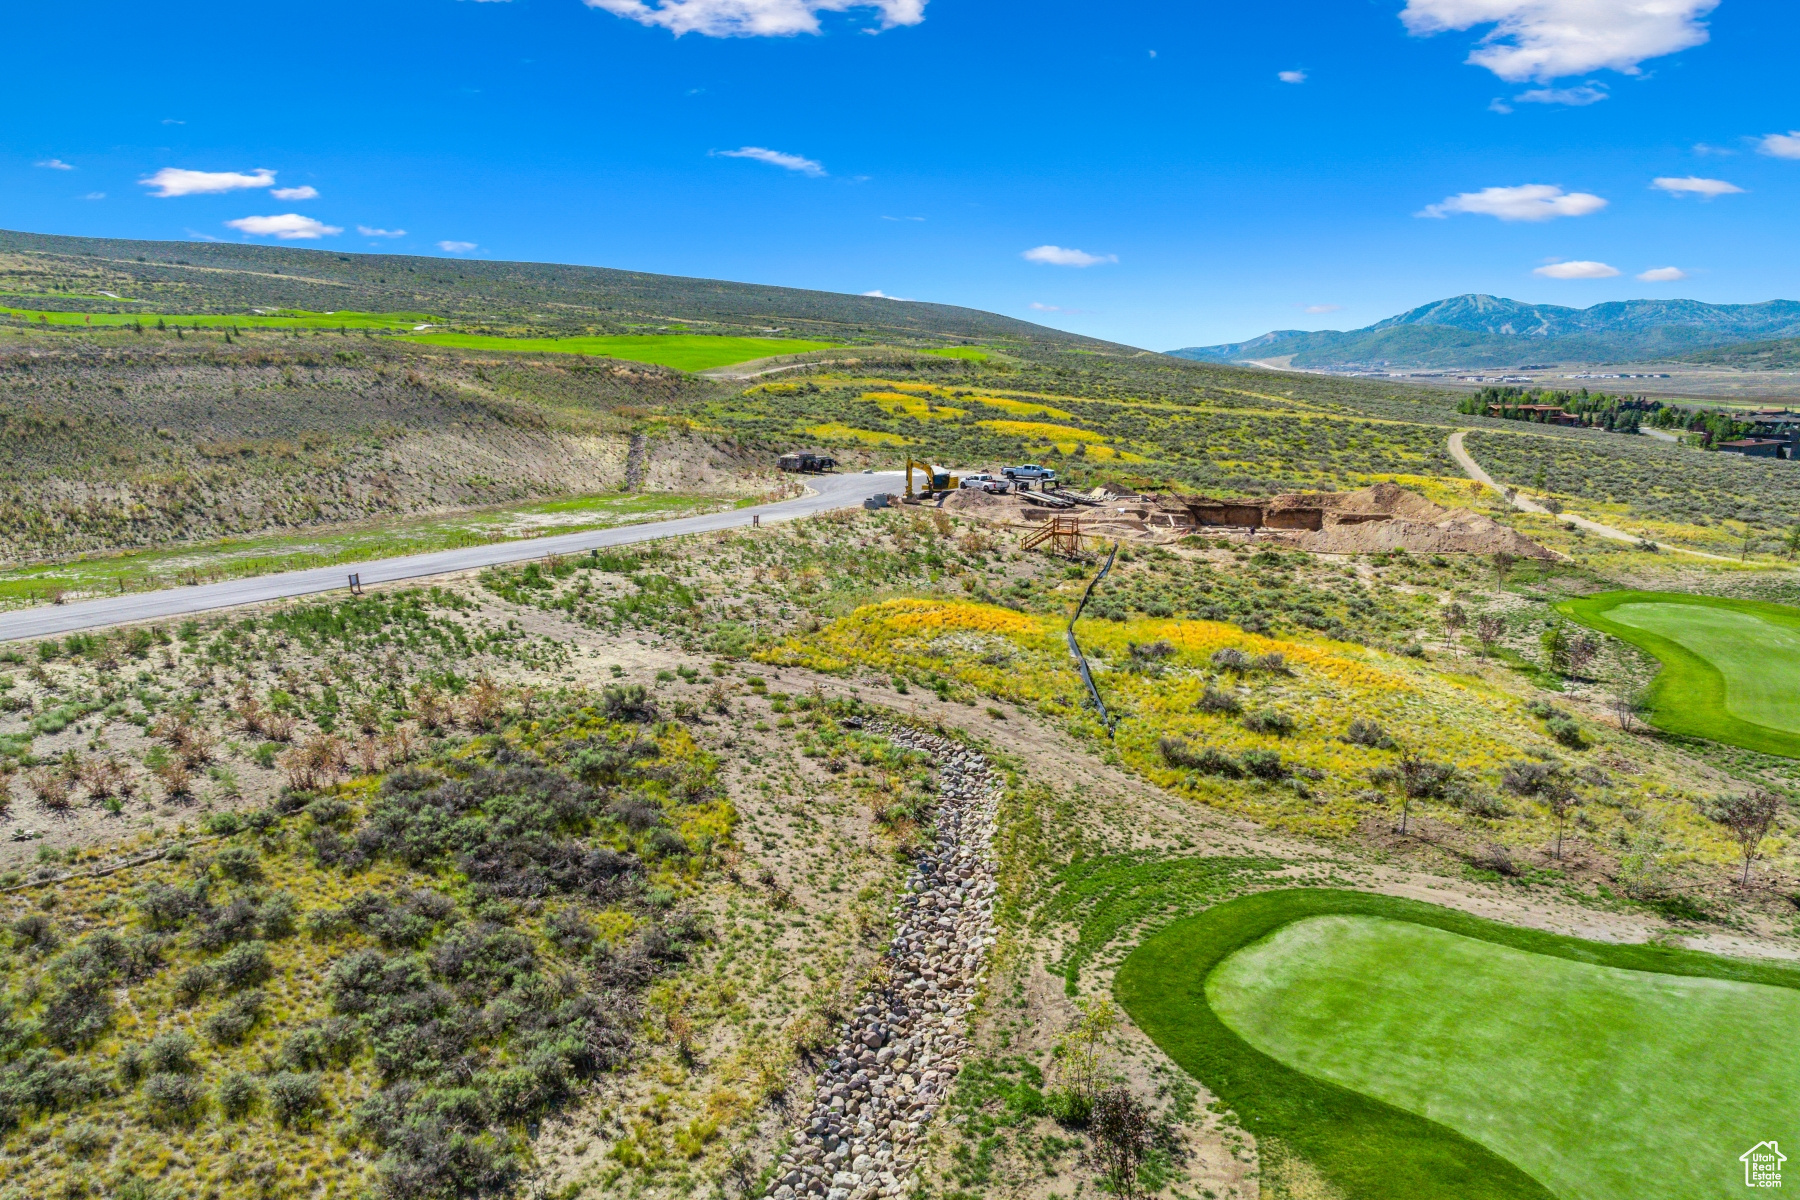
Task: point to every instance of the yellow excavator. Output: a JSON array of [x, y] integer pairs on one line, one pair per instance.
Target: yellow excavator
[[936, 480]]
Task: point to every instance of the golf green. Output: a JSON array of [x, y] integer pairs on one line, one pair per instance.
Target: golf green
[[1404, 1051], [1731, 668], [1599, 1082]]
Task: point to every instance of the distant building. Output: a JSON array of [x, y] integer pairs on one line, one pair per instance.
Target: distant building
[[807, 460], [1552, 413], [1756, 447], [1780, 425]]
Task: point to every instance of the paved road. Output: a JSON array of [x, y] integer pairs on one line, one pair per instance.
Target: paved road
[[1524, 504], [830, 491]]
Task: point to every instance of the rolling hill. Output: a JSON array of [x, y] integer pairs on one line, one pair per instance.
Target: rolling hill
[[1490, 331], [46, 271]]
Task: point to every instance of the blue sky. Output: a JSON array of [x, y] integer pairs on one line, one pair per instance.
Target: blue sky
[[922, 149]]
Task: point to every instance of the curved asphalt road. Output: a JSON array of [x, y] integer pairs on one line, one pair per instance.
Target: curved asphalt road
[[830, 491]]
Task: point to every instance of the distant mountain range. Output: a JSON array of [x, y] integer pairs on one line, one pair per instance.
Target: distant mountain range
[[1490, 331]]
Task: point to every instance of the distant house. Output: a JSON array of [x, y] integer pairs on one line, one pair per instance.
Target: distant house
[[807, 460], [1551, 414], [1756, 447], [1781, 425]]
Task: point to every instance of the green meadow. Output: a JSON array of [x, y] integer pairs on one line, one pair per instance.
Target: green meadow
[[1730, 668], [683, 351], [1411, 1052]]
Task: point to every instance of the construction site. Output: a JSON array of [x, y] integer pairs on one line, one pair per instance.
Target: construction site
[[1383, 517]]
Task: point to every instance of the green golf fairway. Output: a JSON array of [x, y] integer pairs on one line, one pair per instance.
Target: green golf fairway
[[1731, 668], [1599, 1082]]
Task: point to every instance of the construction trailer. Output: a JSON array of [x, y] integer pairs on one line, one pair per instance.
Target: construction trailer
[[806, 461]]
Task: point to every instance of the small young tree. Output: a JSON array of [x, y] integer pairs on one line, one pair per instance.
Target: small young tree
[[1561, 799], [1081, 1056], [1582, 651], [1555, 641], [1121, 1129], [1455, 618], [1628, 705], [1791, 540], [1489, 629], [1749, 817], [1503, 565]]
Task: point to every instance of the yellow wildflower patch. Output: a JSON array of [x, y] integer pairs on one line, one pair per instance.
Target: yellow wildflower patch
[[873, 437], [912, 616], [922, 407], [1044, 430]]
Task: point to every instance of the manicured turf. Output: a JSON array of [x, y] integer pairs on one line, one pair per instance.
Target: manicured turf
[[1582, 1075], [683, 351], [1371, 1149], [1731, 668]]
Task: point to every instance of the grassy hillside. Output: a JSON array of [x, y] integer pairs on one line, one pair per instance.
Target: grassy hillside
[[1773, 355], [43, 271]]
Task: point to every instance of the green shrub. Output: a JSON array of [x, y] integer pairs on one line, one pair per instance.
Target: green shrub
[[1270, 721], [238, 1094], [1070, 1106], [230, 1024], [243, 965], [174, 1099], [1264, 764], [239, 864], [296, 1097], [1212, 700], [1364, 732]]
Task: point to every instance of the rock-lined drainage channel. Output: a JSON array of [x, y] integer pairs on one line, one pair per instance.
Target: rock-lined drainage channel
[[899, 1053]]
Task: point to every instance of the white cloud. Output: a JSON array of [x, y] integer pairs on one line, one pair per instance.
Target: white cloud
[[1527, 202], [1574, 97], [753, 18], [1057, 308], [1291, 76], [1549, 39], [903, 218], [95, 196], [1499, 106], [1781, 145], [288, 227], [1317, 309], [1693, 185], [1059, 256], [1576, 270], [173, 181], [53, 164], [295, 193], [878, 294], [456, 247], [172, 121], [775, 158], [1662, 275], [368, 231]]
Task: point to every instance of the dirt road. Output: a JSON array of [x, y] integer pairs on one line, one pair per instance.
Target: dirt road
[[1523, 503]]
